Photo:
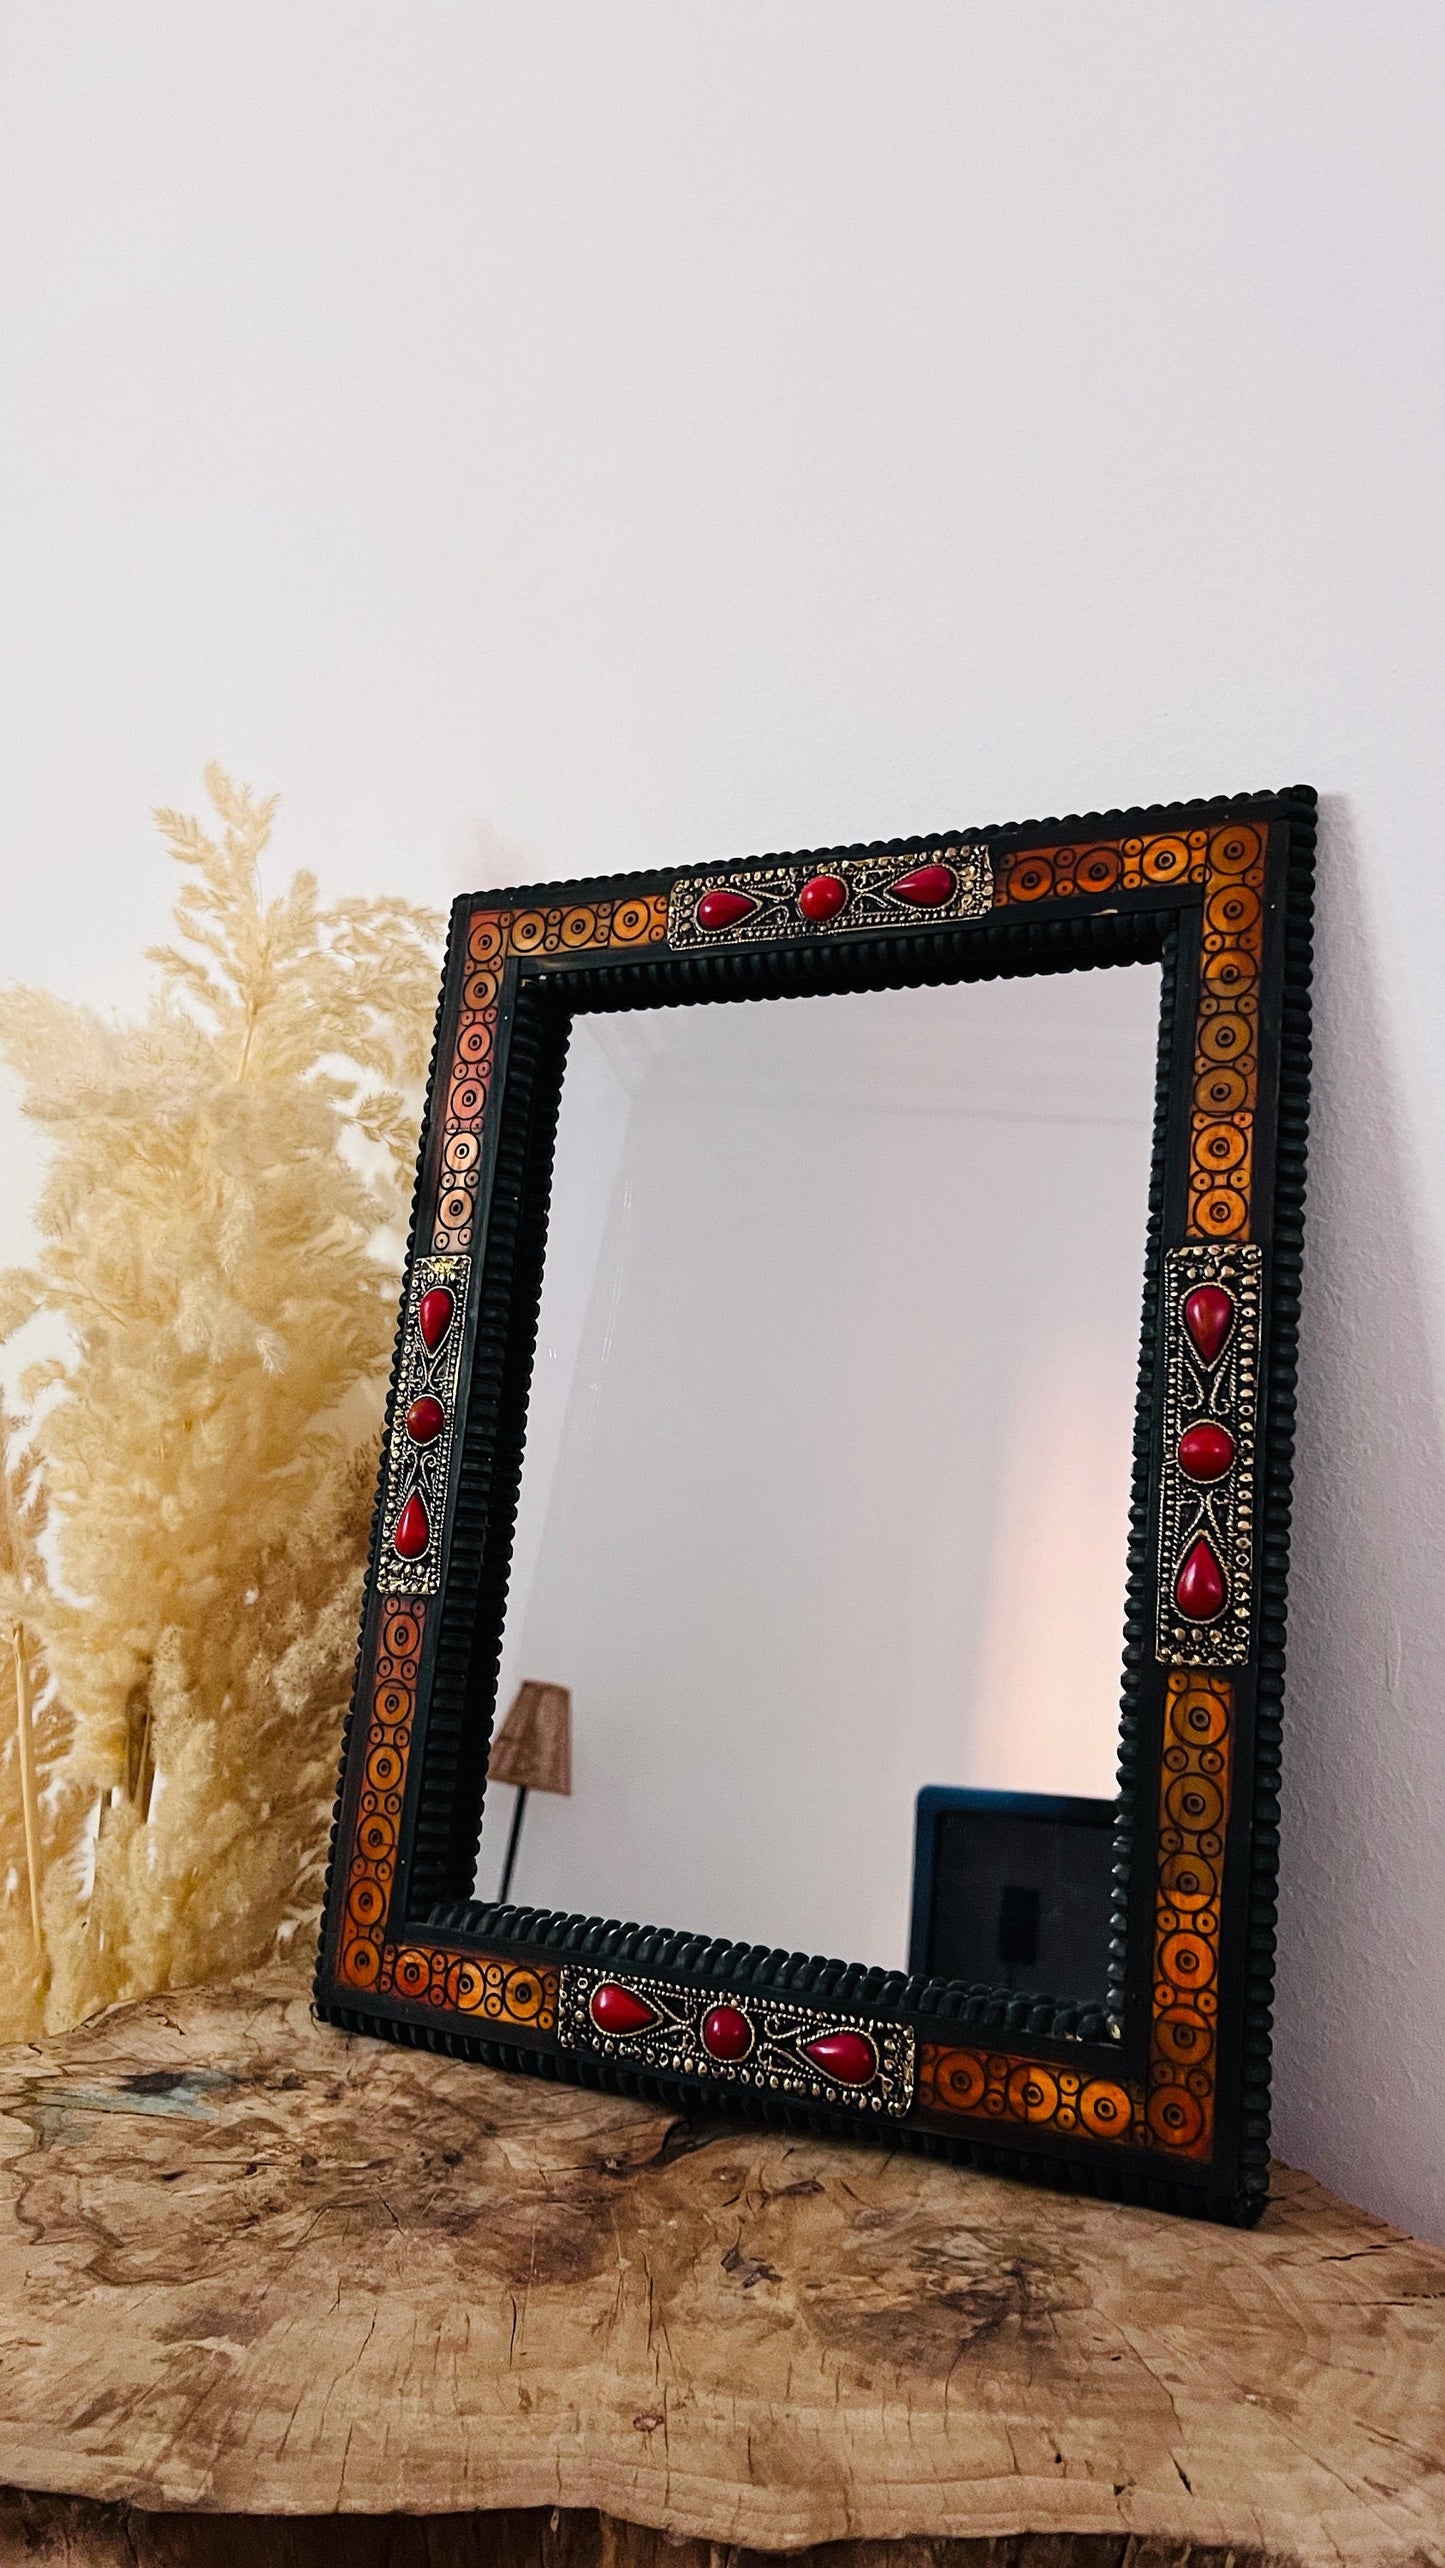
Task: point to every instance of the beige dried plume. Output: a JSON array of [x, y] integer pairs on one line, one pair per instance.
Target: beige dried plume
[[187, 1490]]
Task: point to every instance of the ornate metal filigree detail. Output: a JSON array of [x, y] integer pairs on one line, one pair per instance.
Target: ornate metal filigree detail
[[1219, 1391], [867, 897], [670, 2034], [418, 1470]]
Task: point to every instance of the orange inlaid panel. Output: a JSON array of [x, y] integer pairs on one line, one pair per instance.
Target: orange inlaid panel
[[1003, 2086], [1100, 865], [390, 1712], [1226, 1036], [491, 937], [495, 1991], [1194, 1786], [479, 1984]]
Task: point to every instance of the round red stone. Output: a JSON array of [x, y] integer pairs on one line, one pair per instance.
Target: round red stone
[[926, 886], [425, 1419], [727, 2034], [822, 898], [1206, 1451], [724, 909], [620, 2010], [434, 1316], [413, 1531], [1209, 1317], [848, 2057], [1199, 1589]]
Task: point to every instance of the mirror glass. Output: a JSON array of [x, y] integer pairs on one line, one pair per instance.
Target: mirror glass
[[828, 1454]]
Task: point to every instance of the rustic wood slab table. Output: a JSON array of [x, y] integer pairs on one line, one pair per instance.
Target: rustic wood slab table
[[268, 2292]]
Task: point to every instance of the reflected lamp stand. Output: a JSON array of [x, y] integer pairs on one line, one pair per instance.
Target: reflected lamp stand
[[532, 1751]]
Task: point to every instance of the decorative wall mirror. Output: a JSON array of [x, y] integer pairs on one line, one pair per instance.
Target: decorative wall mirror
[[852, 1489]]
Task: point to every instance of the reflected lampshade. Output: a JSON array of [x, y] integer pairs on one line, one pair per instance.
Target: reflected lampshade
[[533, 1747]]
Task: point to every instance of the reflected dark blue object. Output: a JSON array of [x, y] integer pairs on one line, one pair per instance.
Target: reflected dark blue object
[[1012, 1888]]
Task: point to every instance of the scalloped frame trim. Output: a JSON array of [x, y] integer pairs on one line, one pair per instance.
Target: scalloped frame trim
[[1050, 2089]]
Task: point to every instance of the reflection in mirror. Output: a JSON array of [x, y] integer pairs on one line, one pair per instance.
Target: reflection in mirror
[[828, 1455]]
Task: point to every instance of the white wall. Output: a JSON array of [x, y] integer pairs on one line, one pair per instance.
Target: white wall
[[655, 432], [826, 1497]]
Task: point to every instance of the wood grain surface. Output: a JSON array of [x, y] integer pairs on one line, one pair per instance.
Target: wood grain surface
[[254, 2267]]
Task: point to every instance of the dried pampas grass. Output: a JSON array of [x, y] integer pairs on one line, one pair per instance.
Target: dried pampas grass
[[187, 1488]]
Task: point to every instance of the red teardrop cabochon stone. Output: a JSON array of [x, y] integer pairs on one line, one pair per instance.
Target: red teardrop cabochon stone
[[413, 1532], [434, 1316], [727, 2034], [1209, 1317], [823, 898], [1206, 1451], [724, 909], [926, 886], [425, 1420], [848, 2057], [1199, 1589], [620, 2010]]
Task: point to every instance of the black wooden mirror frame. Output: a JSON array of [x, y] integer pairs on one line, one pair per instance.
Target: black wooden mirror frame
[[1163, 2094]]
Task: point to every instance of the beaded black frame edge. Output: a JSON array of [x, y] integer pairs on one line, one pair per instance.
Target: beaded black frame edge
[[1018, 947]]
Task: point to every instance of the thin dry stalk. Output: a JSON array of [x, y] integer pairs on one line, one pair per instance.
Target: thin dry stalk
[[29, 1798]]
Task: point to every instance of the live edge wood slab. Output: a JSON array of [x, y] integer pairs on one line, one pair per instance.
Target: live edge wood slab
[[252, 2268]]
